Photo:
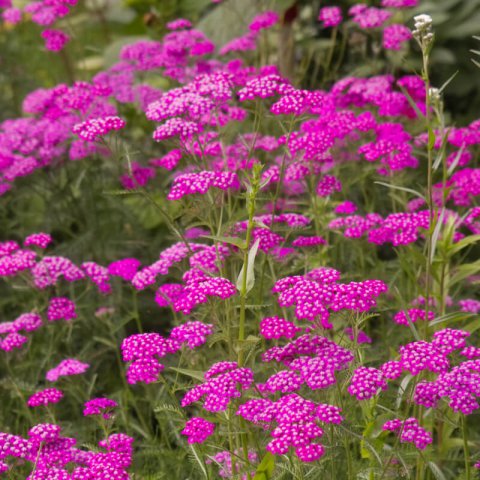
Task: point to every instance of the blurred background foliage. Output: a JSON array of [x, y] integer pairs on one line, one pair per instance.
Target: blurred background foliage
[[101, 27]]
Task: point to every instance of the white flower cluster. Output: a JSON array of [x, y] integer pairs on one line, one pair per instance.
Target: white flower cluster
[[423, 28]]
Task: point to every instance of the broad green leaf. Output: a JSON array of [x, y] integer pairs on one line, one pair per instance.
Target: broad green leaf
[[465, 242], [238, 242], [250, 270], [265, 468], [464, 271], [197, 374]]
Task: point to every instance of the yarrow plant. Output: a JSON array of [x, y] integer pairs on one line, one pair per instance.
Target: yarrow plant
[[238, 271]]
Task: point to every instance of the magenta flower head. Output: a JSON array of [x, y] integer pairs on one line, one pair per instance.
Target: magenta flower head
[[44, 433], [41, 240], [45, 397], [410, 431], [330, 16], [263, 21], [66, 368], [198, 430], [55, 40], [100, 406], [61, 308], [94, 128], [11, 341]]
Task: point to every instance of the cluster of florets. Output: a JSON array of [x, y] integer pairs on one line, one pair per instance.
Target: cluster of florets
[[49, 270], [192, 334], [330, 16], [138, 176], [366, 382], [276, 327], [469, 305], [397, 228], [198, 430], [409, 431], [66, 368], [27, 322], [328, 185], [263, 21], [224, 461], [61, 308], [40, 240], [296, 423], [369, 17], [92, 129], [224, 381], [45, 397], [53, 456], [100, 406], [144, 350], [412, 315], [394, 36], [98, 275], [125, 268], [190, 183], [196, 290], [315, 295], [55, 40], [309, 241], [313, 361]]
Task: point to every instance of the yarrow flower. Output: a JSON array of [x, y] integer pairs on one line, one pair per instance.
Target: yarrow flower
[[45, 397], [366, 382], [222, 383], [190, 183], [410, 431], [100, 406], [330, 16], [61, 308], [55, 40], [276, 327], [193, 334], [41, 240], [143, 350], [67, 367], [394, 36], [198, 430], [91, 130], [263, 21]]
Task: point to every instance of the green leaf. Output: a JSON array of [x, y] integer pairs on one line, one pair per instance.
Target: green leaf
[[403, 189], [431, 138], [238, 242], [197, 374], [265, 469], [464, 271], [437, 473], [250, 270], [465, 242]]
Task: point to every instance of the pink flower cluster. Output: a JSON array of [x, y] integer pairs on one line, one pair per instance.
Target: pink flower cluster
[[100, 406], [410, 431], [296, 420], [330, 16], [66, 368], [314, 298], [55, 40], [190, 183], [224, 381], [55, 457], [198, 430], [91, 130]]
